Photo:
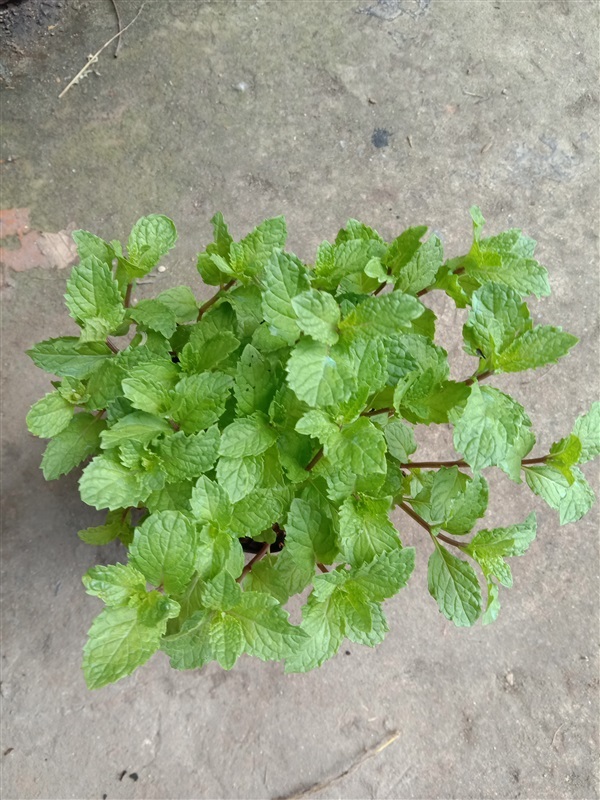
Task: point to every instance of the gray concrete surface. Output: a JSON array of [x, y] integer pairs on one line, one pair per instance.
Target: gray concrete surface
[[259, 108]]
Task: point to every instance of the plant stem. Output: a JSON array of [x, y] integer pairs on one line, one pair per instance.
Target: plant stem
[[375, 411], [322, 567], [112, 346], [481, 377], [128, 291], [458, 271], [204, 308], [261, 553], [434, 464], [314, 460], [420, 521], [540, 460]]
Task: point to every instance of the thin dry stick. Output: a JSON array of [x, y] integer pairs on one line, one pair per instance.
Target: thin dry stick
[[116, 8], [94, 58], [369, 753]]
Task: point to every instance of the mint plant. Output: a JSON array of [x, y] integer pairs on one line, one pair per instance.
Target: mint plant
[[280, 418]]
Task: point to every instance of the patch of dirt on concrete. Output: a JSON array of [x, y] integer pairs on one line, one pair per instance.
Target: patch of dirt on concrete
[[25, 26]]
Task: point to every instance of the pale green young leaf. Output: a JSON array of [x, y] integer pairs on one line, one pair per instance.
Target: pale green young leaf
[[164, 550], [94, 300], [199, 400], [334, 264], [382, 316], [493, 603], [400, 440], [496, 319], [226, 637], [386, 574], [151, 238], [366, 530], [535, 348], [49, 416], [117, 525], [468, 507], [239, 476], [354, 229], [222, 243], [548, 482], [107, 483], [318, 315], [190, 648], [490, 547], [267, 632], [247, 436], [403, 249], [209, 503], [118, 643], [259, 510], [218, 550], [317, 424], [79, 440], [186, 457], [88, 244], [181, 302], [420, 271], [257, 248], [454, 586], [156, 316], [221, 593], [359, 448], [572, 499], [67, 356], [115, 584], [587, 430], [317, 375], [138, 426], [490, 260], [284, 278], [324, 628], [149, 386], [488, 427], [565, 454], [255, 382], [203, 353]]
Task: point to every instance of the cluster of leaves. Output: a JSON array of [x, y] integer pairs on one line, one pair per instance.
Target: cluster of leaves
[[279, 418]]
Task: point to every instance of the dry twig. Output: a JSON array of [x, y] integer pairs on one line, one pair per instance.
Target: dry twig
[[93, 59], [369, 753]]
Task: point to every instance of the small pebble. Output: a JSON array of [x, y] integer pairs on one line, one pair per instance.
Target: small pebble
[[162, 269]]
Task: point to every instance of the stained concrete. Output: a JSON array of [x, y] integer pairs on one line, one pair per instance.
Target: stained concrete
[[395, 112]]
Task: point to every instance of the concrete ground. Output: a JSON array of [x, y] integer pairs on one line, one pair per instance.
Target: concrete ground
[[266, 107]]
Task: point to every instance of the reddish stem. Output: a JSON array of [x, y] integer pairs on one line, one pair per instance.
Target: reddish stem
[[261, 553], [204, 308], [420, 521]]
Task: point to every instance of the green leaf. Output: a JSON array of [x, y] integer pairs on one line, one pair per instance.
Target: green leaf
[[210, 503], [322, 624], [316, 375], [400, 440], [258, 511], [181, 302], [386, 574], [199, 400], [420, 271], [335, 265], [88, 244], [248, 436], [67, 356], [115, 584], [255, 382], [310, 537], [156, 316], [149, 386], [284, 278], [382, 316], [107, 483], [365, 529], [185, 457], [190, 647], [267, 633], [221, 593], [226, 637], [403, 249], [94, 300], [257, 248], [587, 430], [571, 500], [164, 549], [497, 319], [118, 643], [218, 550], [49, 416], [80, 439], [536, 348], [490, 547], [239, 476], [565, 454], [220, 247], [359, 448], [138, 426], [117, 525], [318, 315], [150, 239], [454, 585], [489, 427]]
